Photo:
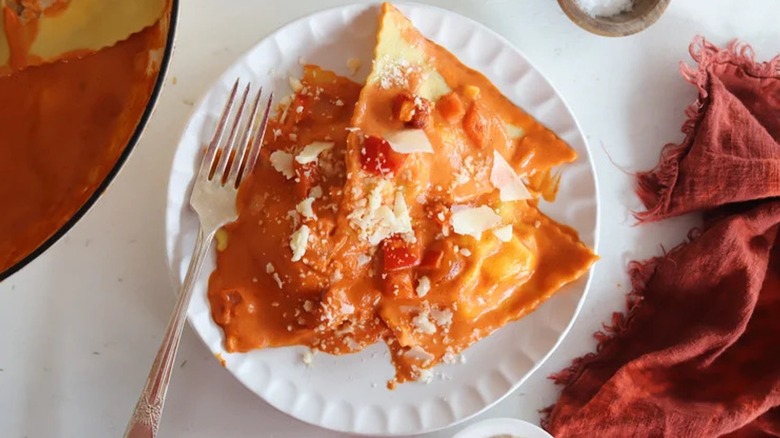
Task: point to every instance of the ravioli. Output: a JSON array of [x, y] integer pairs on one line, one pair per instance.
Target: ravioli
[[434, 238], [36, 32]]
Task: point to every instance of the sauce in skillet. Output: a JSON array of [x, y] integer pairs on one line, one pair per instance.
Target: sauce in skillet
[[62, 127]]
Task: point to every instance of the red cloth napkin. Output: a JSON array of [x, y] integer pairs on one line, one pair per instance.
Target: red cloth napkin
[[698, 352]]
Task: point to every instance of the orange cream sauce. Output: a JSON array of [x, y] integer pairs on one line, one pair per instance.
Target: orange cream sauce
[[427, 292], [62, 128], [258, 295]]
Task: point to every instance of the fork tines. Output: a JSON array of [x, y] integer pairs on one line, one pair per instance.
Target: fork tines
[[232, 152]]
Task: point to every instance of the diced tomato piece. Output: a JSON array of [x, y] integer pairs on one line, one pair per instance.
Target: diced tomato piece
[[422, 113], [451, 108], [403, 106], [477, 127], [414, 111], [305, 177], [432, 259], [398, 254], [377, 157]]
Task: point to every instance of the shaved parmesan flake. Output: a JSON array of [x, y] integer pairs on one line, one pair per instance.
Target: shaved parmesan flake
[[504, 234], [409, 141], [504, 178], [312, 150], [423, 286], [473, 221], [418, 353], [305, 209], [282, 162], [298, 242], [403, 222]]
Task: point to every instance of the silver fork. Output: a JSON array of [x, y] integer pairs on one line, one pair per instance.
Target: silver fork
[[227, 159]]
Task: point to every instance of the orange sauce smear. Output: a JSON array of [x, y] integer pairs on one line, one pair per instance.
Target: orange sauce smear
[[258, 295], [62, 128]]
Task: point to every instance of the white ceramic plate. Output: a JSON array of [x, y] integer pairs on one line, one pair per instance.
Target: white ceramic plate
[[348, 393], [510, 427]]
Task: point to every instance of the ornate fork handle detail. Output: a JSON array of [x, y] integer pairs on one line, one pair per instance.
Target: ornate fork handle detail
[[146, 417]]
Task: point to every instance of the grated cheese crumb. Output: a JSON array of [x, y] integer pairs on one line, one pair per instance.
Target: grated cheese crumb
[[442, 317], [423, 286], [307, 358], [283, 163], [305, 208], [278, 280], [422, 324], [269, 268], [375, 220], [393, 72], [418, 353], [298, 242]]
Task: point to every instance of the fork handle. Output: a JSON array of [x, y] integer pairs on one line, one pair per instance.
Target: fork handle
[[146, 417]]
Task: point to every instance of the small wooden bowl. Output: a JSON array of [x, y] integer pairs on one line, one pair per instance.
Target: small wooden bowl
[[641, 15]]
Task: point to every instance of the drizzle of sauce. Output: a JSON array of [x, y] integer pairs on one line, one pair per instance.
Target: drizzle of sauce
[[62, 127]]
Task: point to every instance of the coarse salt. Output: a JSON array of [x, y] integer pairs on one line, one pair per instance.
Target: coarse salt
[[605, 8]]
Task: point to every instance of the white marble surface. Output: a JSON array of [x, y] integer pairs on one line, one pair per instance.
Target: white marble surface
[[80, 325]]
